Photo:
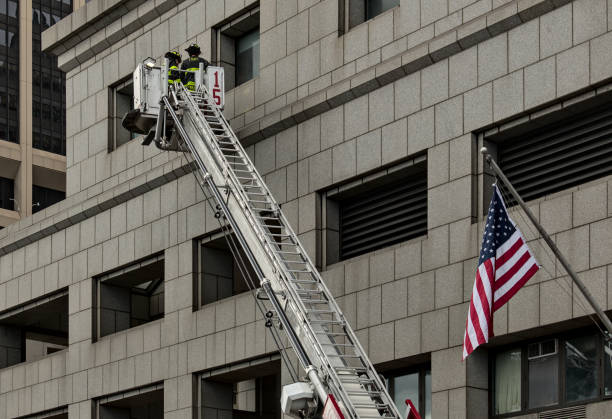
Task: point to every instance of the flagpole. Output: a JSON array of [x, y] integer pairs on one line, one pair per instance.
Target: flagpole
[[587, 294]]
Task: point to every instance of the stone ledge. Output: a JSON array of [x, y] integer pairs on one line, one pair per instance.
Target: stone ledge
[[73, 210], [439, 48], [96, 25]]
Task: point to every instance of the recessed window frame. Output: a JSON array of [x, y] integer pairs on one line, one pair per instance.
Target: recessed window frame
[[156, 390], [109, 275], [217, 239], [225, 38], [561, 371], [422, 371], [56, 340], [526, 124], [119, 91], [355, 12], [246, 370], [329, 207]]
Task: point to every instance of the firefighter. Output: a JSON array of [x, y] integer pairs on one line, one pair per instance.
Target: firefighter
[[174, 75], [192, 64]]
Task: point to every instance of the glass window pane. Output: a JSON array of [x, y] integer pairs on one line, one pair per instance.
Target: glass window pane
[[376, 7], [405, 387], [247, 57], [608, 370], [581, 368], [544, 381], [428, 394], [508, 382]]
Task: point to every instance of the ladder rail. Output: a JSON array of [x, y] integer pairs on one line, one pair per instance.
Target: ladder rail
[[299, 308], [293, 338]]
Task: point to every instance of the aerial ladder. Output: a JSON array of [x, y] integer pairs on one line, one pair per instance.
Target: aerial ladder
[[341, 382]]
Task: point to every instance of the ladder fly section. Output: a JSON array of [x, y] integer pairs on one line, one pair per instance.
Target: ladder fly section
[[288, 276]]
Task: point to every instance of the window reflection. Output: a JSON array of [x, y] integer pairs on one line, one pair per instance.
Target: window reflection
[[247, 57], [414, 385], [376, 7], [580, 369], [48, 122]]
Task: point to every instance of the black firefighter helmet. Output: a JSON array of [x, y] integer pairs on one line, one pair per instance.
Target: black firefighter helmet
[[193, 49], [173, 55]]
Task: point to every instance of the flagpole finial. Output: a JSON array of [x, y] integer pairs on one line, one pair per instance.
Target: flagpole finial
[[485, 153]]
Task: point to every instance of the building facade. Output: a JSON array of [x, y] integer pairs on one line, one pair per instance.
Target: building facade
[[33, 110], [366, 119]]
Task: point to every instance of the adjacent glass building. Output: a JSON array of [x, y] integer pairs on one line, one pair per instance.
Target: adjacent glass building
[[32, 109]]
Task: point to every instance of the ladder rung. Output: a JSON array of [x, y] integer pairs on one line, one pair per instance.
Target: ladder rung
[[303, 281], [344, 356], [364, 393], [358, 381], [299, 271], [326, 321], [353, 370], [330, 333], [374, 406], [315, 311]]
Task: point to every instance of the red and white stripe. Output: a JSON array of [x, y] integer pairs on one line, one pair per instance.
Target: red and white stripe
[[497, 280]]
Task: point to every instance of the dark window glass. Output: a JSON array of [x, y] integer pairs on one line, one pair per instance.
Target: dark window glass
[[9, 78], [543, 381], [7, 192], [414, 385], [49, 82], [581, 373], [247, 57], [376, 7], [607, 361], [45, 197], [552, 373]]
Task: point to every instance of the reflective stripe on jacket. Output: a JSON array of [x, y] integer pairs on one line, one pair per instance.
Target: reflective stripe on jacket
[[192, 64], [174, 75]]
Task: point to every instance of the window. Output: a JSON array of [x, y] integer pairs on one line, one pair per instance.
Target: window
[[236, 48], [249, 391], [9, 76], [45, 197], [550, 373], [247, 57], [413, 384], [129, 297], [219, 273], [7, 193], [122, 101], [49, 82], [141, 403], [378, 213], [34, 330], [557, 155], [360, 11]]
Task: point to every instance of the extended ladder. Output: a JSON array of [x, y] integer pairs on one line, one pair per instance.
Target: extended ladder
[[325, 344]]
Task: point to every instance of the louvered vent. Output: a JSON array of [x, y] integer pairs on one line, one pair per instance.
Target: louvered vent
[[384, 216], [559, 156], [577, 412]]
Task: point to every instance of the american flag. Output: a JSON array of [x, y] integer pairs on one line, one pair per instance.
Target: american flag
[[504, 266]]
